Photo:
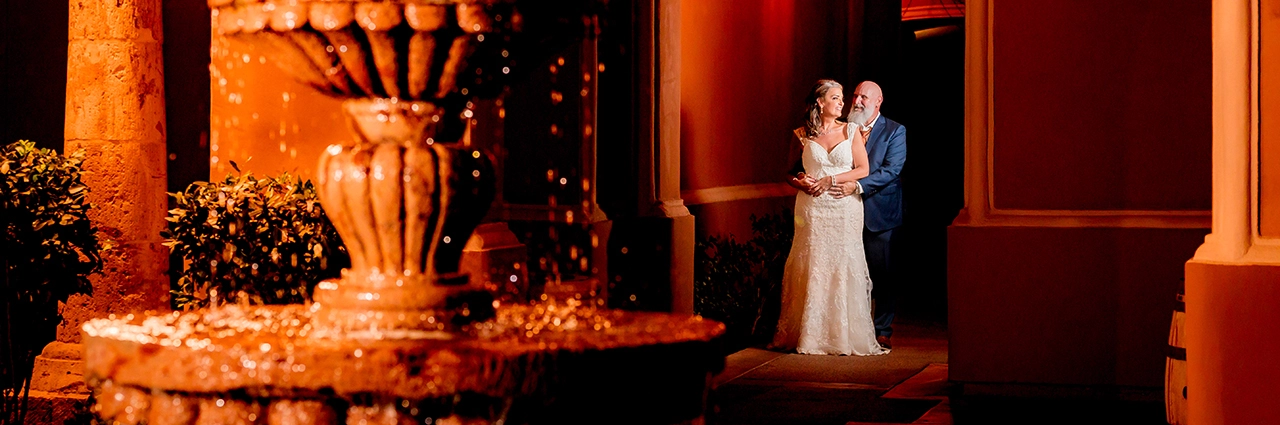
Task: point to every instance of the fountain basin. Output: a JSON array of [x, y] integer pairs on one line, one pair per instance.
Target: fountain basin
[[553, 362]]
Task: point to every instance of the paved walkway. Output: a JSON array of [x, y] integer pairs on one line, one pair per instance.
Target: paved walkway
[[907, 386]]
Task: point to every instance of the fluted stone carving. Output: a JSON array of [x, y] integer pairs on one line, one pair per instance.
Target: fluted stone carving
[[409, 50], [404, 205]]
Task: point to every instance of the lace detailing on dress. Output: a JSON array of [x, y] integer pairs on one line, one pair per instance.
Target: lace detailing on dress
[[826, 288]]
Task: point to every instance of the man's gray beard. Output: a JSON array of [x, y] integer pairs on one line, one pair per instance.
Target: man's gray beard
[[860, 118]]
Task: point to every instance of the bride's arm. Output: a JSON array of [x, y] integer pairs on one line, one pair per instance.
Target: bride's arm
[[795, 176]]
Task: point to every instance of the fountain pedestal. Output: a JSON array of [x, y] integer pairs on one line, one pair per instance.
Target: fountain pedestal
[[554, 362]]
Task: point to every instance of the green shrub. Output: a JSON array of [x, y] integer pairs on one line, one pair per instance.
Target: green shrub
[[48, 249], [245, 239], [740, 284]]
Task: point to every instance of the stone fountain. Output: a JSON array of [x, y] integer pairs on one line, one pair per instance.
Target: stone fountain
[[402, 336]]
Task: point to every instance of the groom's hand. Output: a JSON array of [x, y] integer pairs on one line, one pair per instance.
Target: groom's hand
[[843, 189]]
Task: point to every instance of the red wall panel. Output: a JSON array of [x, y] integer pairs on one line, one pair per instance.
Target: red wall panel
[[1101, 105], [746, 66], [1269, 131]]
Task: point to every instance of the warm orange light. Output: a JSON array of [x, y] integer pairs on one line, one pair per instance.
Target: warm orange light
[[263, 120]]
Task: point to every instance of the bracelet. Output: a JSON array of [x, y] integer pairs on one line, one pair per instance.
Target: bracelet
[[833, 180]]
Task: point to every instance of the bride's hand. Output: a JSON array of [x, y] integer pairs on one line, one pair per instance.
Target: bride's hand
[[820, 187], [803, 182], [811, 186]]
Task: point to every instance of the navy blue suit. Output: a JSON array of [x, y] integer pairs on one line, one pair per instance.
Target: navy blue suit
[[882, 206]]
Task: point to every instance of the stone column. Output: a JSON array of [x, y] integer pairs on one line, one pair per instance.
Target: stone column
[[1233, 282], [115, 112], [651, 249]]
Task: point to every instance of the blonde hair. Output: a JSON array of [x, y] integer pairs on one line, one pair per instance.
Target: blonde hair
[[813, 113]]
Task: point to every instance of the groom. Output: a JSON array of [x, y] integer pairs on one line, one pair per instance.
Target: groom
[[881, 192]]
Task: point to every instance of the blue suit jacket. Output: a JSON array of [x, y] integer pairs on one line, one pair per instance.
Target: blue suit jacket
[[882, 189]]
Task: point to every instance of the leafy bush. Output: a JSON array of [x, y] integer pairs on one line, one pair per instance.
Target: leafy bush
[[245, 239], [740, 284], [48, 248]]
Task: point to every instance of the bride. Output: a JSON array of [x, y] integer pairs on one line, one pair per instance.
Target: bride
[[826, 288]]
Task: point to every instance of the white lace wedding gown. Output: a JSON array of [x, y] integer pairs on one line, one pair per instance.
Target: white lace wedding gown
[[826, 288]]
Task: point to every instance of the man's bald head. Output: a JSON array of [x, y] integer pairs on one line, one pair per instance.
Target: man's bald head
[[866, 103]]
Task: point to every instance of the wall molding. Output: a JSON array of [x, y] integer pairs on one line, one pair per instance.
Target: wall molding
[[741, 192]]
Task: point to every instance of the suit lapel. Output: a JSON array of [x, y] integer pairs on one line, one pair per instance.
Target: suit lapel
[[875, 139]]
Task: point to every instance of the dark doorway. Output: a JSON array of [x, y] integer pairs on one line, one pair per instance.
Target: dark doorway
[[930, 103]]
